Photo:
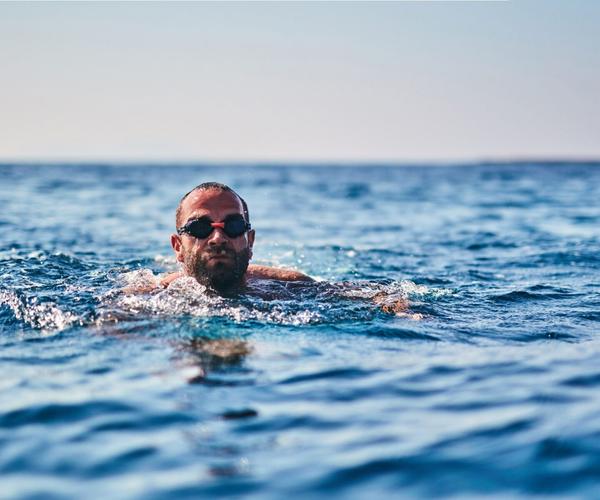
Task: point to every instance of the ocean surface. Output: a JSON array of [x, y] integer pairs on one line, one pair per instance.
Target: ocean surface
[[178, 394]]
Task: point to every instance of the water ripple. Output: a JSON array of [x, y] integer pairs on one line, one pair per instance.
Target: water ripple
[[303, 390]]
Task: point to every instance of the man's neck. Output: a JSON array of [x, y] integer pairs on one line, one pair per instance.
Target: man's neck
[[224, 288]]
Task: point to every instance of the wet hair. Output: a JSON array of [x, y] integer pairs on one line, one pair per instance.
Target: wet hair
[[210, 185]]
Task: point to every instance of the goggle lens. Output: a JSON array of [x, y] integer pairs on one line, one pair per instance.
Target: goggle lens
[[201, 228]]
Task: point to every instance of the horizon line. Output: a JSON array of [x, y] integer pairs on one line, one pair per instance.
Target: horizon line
[[163, 162]]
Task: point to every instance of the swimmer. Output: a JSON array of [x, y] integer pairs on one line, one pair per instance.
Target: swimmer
[[213, 243]]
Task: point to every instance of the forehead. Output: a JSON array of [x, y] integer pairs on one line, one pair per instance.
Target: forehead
[[212, 202]]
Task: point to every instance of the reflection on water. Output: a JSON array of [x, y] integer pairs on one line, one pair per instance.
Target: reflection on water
[[205, 355]]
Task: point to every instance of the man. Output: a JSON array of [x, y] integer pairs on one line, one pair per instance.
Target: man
[[214, 241]]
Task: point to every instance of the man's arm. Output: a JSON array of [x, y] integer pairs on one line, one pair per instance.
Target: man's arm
[[398, 306], [274, 273], [165, 281]]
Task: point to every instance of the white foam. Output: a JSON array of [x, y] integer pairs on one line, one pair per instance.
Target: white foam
[[185, 296], [391, 294], [45, 316]]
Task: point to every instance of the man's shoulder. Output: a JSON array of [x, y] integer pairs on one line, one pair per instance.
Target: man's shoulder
[[254, 272], [276, 273]]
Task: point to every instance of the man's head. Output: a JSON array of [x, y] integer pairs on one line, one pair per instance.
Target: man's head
[[219, 260]]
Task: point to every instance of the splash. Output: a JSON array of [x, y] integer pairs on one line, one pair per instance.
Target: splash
[[45, 316], [291, 303], [404, 289], [185, 296]]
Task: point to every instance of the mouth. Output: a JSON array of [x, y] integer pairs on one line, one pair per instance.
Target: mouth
[[220, 255]]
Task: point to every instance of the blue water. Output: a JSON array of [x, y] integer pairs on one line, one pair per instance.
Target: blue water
[[495, 391]]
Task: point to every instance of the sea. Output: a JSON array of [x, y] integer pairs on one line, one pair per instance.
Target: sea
[[487, 387]]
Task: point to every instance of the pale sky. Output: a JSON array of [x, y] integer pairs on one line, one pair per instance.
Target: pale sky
[[373, 81]]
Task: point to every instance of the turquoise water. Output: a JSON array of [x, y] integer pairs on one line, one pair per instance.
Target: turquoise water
[[317, 392]]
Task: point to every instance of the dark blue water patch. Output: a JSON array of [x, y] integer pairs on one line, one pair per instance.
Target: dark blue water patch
[[588, 380], [47, 414], [523, 295], [585, 219], [407, 472], [435, 281], [284, 423], [239, 414], [400, 333], [539, 292], [142, 422], [123, 462], [553, 448], [392, 332], [356, 190], [343, 373], [221, 380], [480, 245]]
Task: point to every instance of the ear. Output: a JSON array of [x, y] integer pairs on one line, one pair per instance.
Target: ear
[[251, 234], [177, 245]]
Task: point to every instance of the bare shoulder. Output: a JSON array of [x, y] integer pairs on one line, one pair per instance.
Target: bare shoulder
[[275, 273], [169, 278], [254, 272]]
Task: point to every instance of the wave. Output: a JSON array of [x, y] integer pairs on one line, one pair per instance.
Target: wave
[[45, 316]]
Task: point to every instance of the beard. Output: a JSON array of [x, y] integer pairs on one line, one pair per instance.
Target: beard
[[220, 275]]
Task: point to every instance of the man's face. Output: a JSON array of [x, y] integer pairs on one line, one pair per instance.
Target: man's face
[[218, 260]]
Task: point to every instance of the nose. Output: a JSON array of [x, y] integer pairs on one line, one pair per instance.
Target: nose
[[217, 237]]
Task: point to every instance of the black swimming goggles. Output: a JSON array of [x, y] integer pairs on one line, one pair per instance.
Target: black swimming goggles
[[233, 226]]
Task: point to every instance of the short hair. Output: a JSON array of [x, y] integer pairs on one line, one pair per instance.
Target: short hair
[[203, 187]]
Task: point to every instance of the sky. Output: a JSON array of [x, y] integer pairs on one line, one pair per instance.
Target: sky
[[300, 81]]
